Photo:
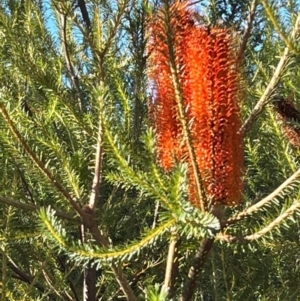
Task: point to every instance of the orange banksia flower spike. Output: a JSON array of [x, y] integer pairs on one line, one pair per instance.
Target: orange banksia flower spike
[[198, 71], [163, 103]]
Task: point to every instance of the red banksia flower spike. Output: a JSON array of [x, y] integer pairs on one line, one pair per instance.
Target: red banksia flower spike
[[195, 100]]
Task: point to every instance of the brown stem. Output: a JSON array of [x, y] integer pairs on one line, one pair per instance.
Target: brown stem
[[31, 207], [136, 278], [123, 282], [196, 269], [97, 170], [70, 67], [200, 258], [25, 184], [89, 291], [247, 32], [91, 223], [85, 14], [24, 277], [101, 240], [170, 262], [89, 285], [175, 271], [90, 282]]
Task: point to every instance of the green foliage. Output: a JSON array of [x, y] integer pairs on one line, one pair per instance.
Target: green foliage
[[155, 293], [74, 100]]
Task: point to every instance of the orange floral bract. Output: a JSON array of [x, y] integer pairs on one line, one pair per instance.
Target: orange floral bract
[[210, 87]]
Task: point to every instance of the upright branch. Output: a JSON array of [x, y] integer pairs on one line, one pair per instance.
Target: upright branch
[[42, 166], [171, 261], [87, 214], [90, 209], [247, 32], [69, 63], [272, 84], [89, 286], [97, 170], [113, 30], [278, 27], [85, 14]]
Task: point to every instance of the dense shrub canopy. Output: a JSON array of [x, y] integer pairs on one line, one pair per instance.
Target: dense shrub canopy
[[97, 201]]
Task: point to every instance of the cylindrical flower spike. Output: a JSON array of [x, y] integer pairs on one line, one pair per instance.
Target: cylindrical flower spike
[[209, 82]]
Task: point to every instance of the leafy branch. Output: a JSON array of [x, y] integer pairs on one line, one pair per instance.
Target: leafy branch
[[37, 161], [264, 201], [31, 207], [86, 252], [278, 27], [272, 83], [265, 230]]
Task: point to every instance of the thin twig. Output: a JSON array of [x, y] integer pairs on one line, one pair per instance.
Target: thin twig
[[31, 207], [49, 282], [25, 184], [137, 277], [23, 276], [124, 284], [267, 93], [71, 284], [70, 67], [272, 84], [257, 235], [264, 201], [113, 31], [155, 216], [247, 32]]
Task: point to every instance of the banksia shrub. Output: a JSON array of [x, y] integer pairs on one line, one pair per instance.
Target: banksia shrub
[[290, 118], [195, 86]]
